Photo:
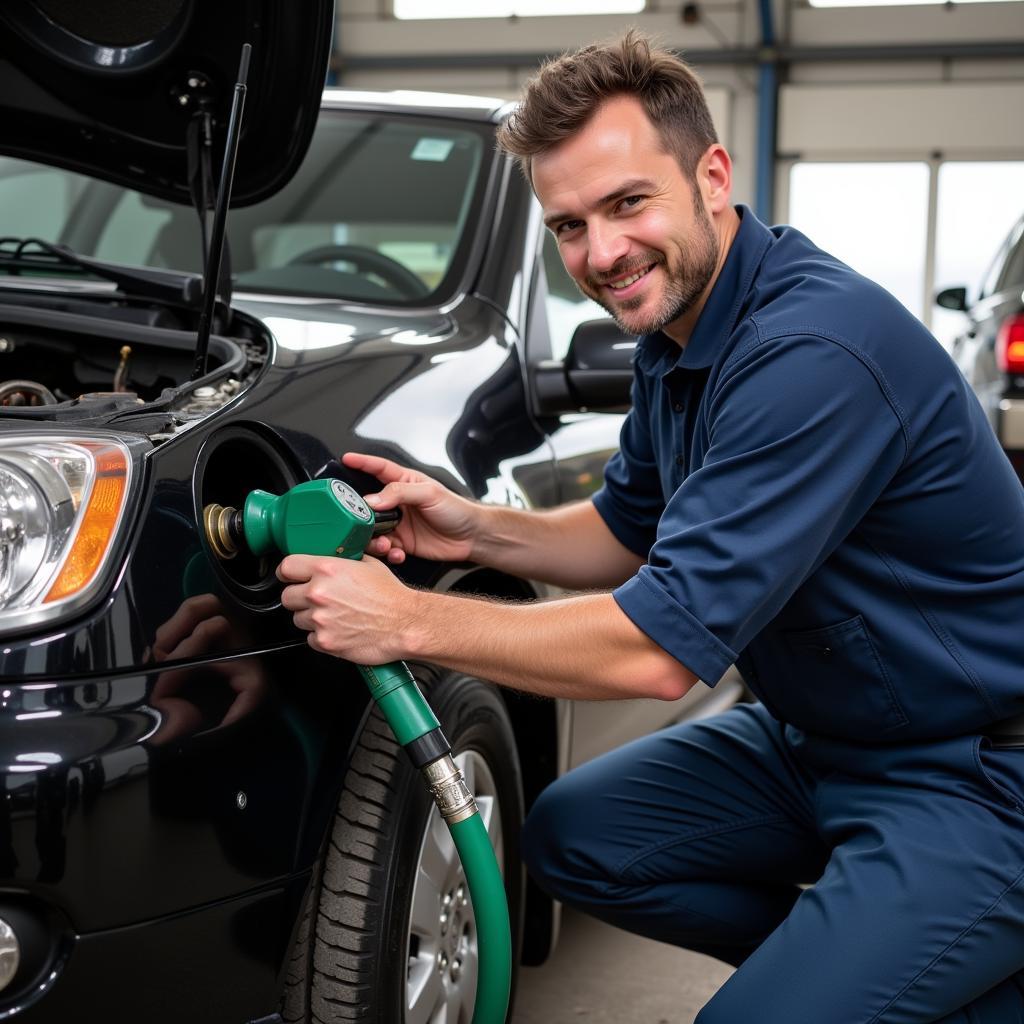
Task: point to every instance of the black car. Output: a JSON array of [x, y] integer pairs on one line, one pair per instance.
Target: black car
[[990, 352], [200, 818]]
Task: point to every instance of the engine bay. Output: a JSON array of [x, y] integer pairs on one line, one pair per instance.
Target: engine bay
[[38, 369], [56, 364]]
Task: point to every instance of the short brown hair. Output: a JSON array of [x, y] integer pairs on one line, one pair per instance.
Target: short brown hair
[[567, 91]]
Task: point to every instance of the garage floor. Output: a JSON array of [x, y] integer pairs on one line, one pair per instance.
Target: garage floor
[[603, 975]]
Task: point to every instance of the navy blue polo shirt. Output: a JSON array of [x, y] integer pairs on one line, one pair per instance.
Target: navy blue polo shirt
[[821, 500]]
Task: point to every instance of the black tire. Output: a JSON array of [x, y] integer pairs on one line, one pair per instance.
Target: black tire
[[355, 950]]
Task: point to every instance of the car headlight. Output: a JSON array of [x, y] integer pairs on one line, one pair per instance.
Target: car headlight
[[61, 502]]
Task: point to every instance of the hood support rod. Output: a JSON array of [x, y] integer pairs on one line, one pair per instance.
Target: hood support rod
[[211, 272]]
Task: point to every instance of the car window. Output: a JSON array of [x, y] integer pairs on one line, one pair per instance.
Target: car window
[[36, 200], [567, 307], [131, 231], [988, 282], [373, 198], [383, 209], [1011, 274]]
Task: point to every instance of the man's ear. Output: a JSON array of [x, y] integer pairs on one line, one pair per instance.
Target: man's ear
[[714, 177]]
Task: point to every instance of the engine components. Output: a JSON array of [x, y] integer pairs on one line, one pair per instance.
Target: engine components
[[25, 392]]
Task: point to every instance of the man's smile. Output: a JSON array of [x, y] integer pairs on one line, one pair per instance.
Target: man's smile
[[624, 287]]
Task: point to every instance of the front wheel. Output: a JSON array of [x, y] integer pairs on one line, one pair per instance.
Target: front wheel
[[391, 935]]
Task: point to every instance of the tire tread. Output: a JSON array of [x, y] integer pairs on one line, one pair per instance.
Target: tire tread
[[337, 965], [352, 891]]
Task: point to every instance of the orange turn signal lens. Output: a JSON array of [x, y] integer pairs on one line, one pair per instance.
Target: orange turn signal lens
[[98, 522]]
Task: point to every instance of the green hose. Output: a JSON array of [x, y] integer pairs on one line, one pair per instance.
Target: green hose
[[412, 721], [327, 517], [487, 894]]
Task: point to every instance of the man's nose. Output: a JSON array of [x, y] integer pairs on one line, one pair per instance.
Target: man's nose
[[607, 245]]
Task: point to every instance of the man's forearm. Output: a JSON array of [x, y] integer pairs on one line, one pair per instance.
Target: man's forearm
[[583, 648], [569, 547]]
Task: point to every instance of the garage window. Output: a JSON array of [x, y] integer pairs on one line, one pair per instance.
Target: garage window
[[978, 203], [914, 227], [873, 216], [421, 9]]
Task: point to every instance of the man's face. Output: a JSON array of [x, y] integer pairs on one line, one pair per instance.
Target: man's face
[[632, 230]]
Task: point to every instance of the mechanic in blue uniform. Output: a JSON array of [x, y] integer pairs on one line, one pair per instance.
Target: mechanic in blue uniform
[[807, 488]]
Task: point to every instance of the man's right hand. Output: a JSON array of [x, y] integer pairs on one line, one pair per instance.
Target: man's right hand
[[436, 523]]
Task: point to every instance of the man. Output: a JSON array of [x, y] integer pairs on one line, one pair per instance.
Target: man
[[806, 487]]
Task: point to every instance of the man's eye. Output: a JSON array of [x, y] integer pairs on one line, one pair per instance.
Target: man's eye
[[567, 226], [631, 201]]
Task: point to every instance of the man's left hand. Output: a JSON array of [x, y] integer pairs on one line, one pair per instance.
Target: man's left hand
[[354, 610]]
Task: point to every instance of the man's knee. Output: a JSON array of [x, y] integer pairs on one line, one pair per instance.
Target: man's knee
[[544, 835], [562, 843]]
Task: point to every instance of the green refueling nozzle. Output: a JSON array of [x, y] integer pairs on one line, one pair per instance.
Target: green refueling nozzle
[[327, 517]]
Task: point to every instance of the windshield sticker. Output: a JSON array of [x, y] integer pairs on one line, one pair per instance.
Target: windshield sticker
[[433, 149]]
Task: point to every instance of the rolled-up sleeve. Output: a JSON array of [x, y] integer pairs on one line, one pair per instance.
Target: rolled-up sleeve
[[803, 437], [631, 500]]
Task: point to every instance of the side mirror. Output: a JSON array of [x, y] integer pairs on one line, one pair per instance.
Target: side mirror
[[596, 376], [952, 298]]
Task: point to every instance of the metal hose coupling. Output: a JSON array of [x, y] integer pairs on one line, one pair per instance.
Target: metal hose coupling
[[449, 790]]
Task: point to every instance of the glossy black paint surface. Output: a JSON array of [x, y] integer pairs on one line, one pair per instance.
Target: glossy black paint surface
[[161, 971], [418, 399], [137, 777], [166, 790]]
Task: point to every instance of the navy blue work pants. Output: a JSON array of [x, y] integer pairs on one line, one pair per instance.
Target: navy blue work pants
[[701, 835]]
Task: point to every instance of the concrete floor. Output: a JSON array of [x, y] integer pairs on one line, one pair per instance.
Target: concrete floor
[[602, 975]]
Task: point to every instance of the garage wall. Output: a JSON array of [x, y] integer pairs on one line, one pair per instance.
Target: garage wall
[[904, 109], [368, 26], [966, 22], [902, 120], [828, 108]]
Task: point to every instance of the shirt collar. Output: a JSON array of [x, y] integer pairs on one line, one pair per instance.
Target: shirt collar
[[718, 317]]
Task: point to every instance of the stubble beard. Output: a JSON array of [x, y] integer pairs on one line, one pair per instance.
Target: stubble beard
[[684, 284]]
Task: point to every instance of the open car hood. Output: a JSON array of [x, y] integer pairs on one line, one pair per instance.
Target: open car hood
[[108, 88]]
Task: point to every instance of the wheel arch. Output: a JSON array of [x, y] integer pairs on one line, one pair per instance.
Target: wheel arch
[[535, 730]]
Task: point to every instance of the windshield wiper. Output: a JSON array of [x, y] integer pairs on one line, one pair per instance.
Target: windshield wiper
[[37, 255]]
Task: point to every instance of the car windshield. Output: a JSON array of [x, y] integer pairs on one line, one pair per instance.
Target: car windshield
[[381, 211]]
